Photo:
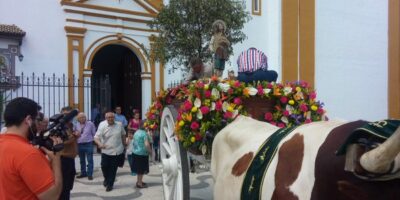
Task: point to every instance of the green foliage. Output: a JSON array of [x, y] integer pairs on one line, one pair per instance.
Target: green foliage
[[185, 28]]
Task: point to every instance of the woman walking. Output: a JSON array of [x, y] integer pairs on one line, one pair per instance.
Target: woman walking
[[141, 151]]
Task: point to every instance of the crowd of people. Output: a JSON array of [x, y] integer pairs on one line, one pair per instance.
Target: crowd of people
[[32, 171]]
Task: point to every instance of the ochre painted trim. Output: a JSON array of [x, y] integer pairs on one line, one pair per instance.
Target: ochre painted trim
[[153, 78], [111, 25], [107, 16], [161, 76], [81, 93], [307, 41], [77, 30], [70, 69], [103, 8], [259, 8], [158, 4], [290, 47], [147, 8], [394, 59], [118, 42]]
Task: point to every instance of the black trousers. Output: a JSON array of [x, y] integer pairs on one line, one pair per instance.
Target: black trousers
[[68, 173], [109, 166]]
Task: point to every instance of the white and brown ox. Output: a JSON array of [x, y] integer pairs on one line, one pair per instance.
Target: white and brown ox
[[305, 165]]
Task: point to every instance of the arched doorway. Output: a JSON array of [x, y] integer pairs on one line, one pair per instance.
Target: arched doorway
[[116, 79]]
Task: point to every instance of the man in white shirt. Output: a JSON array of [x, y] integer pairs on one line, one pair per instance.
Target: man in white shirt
[[110, 138]]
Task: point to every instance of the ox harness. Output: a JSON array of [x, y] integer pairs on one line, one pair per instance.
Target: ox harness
[[252, 183]]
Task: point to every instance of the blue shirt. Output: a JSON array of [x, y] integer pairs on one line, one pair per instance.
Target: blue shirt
[[122, 119], [139, 147]]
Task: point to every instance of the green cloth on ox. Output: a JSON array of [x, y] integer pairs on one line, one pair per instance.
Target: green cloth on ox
[[377, 131], [252, 183]]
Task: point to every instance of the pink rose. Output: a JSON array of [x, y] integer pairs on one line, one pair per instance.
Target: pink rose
[[236, 84], [204, 110], [285, 113], [228, 115], [303, 107], [269, 86], [313, 95], [207, 94], [284, 100], [230, 91], [320, 111], [194, 125], [187, 105], [179, 118], [268, 116], [200, 84], [281, 125], [237, 101], [307, 121], [273, 123]]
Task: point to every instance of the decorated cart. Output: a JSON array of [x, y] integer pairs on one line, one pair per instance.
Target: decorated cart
[[189, 116]]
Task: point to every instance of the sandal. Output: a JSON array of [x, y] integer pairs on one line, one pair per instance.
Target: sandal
[[141, 186]]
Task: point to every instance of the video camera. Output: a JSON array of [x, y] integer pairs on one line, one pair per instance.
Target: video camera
[[57, 128]]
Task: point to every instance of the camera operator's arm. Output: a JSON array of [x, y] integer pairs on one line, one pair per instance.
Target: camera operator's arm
[[55, 190], [71, 137]]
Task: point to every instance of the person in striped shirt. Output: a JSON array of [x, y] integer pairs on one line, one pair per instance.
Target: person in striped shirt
[[253, 66]]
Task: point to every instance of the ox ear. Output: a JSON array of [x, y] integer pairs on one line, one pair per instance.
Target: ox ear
[[379, 159], [242, 164]]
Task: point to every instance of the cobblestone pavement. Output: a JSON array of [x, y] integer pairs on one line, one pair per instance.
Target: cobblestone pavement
[[124, 186]]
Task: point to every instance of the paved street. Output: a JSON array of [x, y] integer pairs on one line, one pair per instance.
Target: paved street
[[124, 187]]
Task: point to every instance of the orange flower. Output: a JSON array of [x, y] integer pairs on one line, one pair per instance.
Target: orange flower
[[277, 92], [246, 92], [214, 78]]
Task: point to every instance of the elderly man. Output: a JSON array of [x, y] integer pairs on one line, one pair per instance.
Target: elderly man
[[110, 137], [86, 130]]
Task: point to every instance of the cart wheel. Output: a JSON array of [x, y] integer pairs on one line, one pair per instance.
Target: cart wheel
[[175, 169]]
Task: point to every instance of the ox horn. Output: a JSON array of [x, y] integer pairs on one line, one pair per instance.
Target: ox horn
[[379, 159]]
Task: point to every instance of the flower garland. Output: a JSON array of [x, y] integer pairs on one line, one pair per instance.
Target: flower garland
[[210, 104]]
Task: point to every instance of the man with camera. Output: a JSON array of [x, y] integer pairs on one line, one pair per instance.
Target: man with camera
[[110, 138], [68, 155], [25, 171]]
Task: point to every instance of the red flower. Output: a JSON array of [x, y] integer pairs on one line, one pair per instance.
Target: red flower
[[198, 136], [284, 100], [320, 111], [281, 125], [194, 125], [269, 86], [207, 94], [273, 123], [260, 90], [204, 110], [268, 116], [187, 105], [307, 121], [152, 117], [237, 101], [218, 105], [303, 108], [230, 91], [228, 115], [179, 118]]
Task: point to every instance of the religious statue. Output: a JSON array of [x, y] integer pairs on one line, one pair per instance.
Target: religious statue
[[219, 46]]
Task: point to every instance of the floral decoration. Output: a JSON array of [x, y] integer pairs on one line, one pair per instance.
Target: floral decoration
[[208, 105]]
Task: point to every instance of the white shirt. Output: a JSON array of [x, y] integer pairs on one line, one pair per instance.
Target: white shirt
[[111, 136]]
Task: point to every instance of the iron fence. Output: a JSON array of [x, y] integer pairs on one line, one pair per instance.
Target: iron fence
[[50, 92]]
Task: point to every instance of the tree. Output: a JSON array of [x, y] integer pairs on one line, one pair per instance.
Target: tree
[[185, 28]]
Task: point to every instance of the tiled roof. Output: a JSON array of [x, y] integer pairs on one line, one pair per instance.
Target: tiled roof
[[11, 30]]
